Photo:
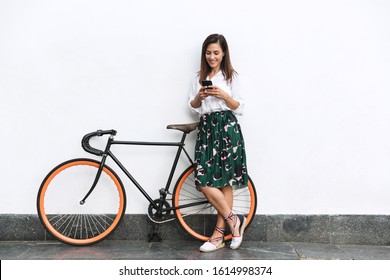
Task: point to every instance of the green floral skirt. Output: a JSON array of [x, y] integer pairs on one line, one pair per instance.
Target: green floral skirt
[[220, 159]]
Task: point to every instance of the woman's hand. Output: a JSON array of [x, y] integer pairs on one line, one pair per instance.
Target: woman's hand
[[219, 93], [216, 92], [202, 95]]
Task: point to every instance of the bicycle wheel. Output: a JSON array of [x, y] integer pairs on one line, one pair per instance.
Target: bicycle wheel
[[59, 207], [197, 216]]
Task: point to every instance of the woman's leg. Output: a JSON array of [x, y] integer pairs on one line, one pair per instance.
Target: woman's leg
[[216, 197], [228, 194], [223, 205], [221, 223]]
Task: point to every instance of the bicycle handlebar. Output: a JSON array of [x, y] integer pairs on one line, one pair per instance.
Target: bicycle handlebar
[[85, 141]]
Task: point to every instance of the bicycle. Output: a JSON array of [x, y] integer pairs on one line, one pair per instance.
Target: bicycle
[[82, 201]]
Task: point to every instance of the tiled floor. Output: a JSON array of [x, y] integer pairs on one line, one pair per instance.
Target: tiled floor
[[188, 250]]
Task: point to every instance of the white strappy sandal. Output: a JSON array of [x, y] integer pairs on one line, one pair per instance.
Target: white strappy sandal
[[212, 244]]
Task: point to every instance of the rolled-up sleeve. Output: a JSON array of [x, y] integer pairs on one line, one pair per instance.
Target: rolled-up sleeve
[[193, 91], [238, 95]]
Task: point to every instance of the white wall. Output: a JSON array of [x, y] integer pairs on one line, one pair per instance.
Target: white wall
[[316, 72]]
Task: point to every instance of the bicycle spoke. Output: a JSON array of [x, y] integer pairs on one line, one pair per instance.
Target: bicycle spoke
[[197, 218], [66, 219]]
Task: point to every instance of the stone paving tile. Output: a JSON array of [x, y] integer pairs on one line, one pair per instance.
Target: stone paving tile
[[188, 250], [366, 252], [318, 251]]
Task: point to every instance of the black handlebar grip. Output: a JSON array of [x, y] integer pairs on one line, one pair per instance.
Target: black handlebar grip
[[85, 141]]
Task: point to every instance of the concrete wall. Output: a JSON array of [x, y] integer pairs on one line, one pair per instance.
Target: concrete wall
[[316, 73]]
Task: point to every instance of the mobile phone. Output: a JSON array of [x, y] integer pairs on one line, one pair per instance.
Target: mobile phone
[[207, 83]]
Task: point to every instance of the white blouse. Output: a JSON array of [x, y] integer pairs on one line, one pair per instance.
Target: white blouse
[[213, 104]]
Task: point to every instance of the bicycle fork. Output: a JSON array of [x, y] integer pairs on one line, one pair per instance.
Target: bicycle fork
[[99, 173]]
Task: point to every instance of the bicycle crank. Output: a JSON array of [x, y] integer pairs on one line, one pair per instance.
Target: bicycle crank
[[162, 216]]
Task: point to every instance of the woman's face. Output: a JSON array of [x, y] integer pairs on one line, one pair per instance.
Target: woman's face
[[214, 56]]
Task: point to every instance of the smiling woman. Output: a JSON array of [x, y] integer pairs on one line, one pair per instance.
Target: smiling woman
[[220, 159], [214, 56]]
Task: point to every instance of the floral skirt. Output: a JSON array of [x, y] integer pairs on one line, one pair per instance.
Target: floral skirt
[[220, 158]]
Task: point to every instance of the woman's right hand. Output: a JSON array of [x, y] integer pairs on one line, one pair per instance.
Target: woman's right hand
[[202, 95]]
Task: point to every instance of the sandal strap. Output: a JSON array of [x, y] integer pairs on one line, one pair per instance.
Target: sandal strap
[[231, 217], [220, 230], [216, 240], [234, 218]]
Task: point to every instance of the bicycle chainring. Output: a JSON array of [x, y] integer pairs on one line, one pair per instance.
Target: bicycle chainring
[[157, 216]]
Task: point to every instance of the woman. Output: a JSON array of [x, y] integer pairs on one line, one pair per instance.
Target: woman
[[219, 151]]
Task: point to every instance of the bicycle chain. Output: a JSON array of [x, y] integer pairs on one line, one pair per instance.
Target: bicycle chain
[[162, 222]]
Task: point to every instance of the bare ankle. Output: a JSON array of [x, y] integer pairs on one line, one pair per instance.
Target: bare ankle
[[234, 223]]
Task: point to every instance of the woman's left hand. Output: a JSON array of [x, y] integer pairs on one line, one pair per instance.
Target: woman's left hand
[[217, 92]]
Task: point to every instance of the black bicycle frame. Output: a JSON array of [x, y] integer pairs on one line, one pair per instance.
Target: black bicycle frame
[[163, 192]]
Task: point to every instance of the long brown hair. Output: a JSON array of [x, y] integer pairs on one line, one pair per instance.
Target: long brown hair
[[226, 65]]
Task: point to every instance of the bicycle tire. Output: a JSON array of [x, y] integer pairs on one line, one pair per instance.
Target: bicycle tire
[[199, 220], [59, 208]]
